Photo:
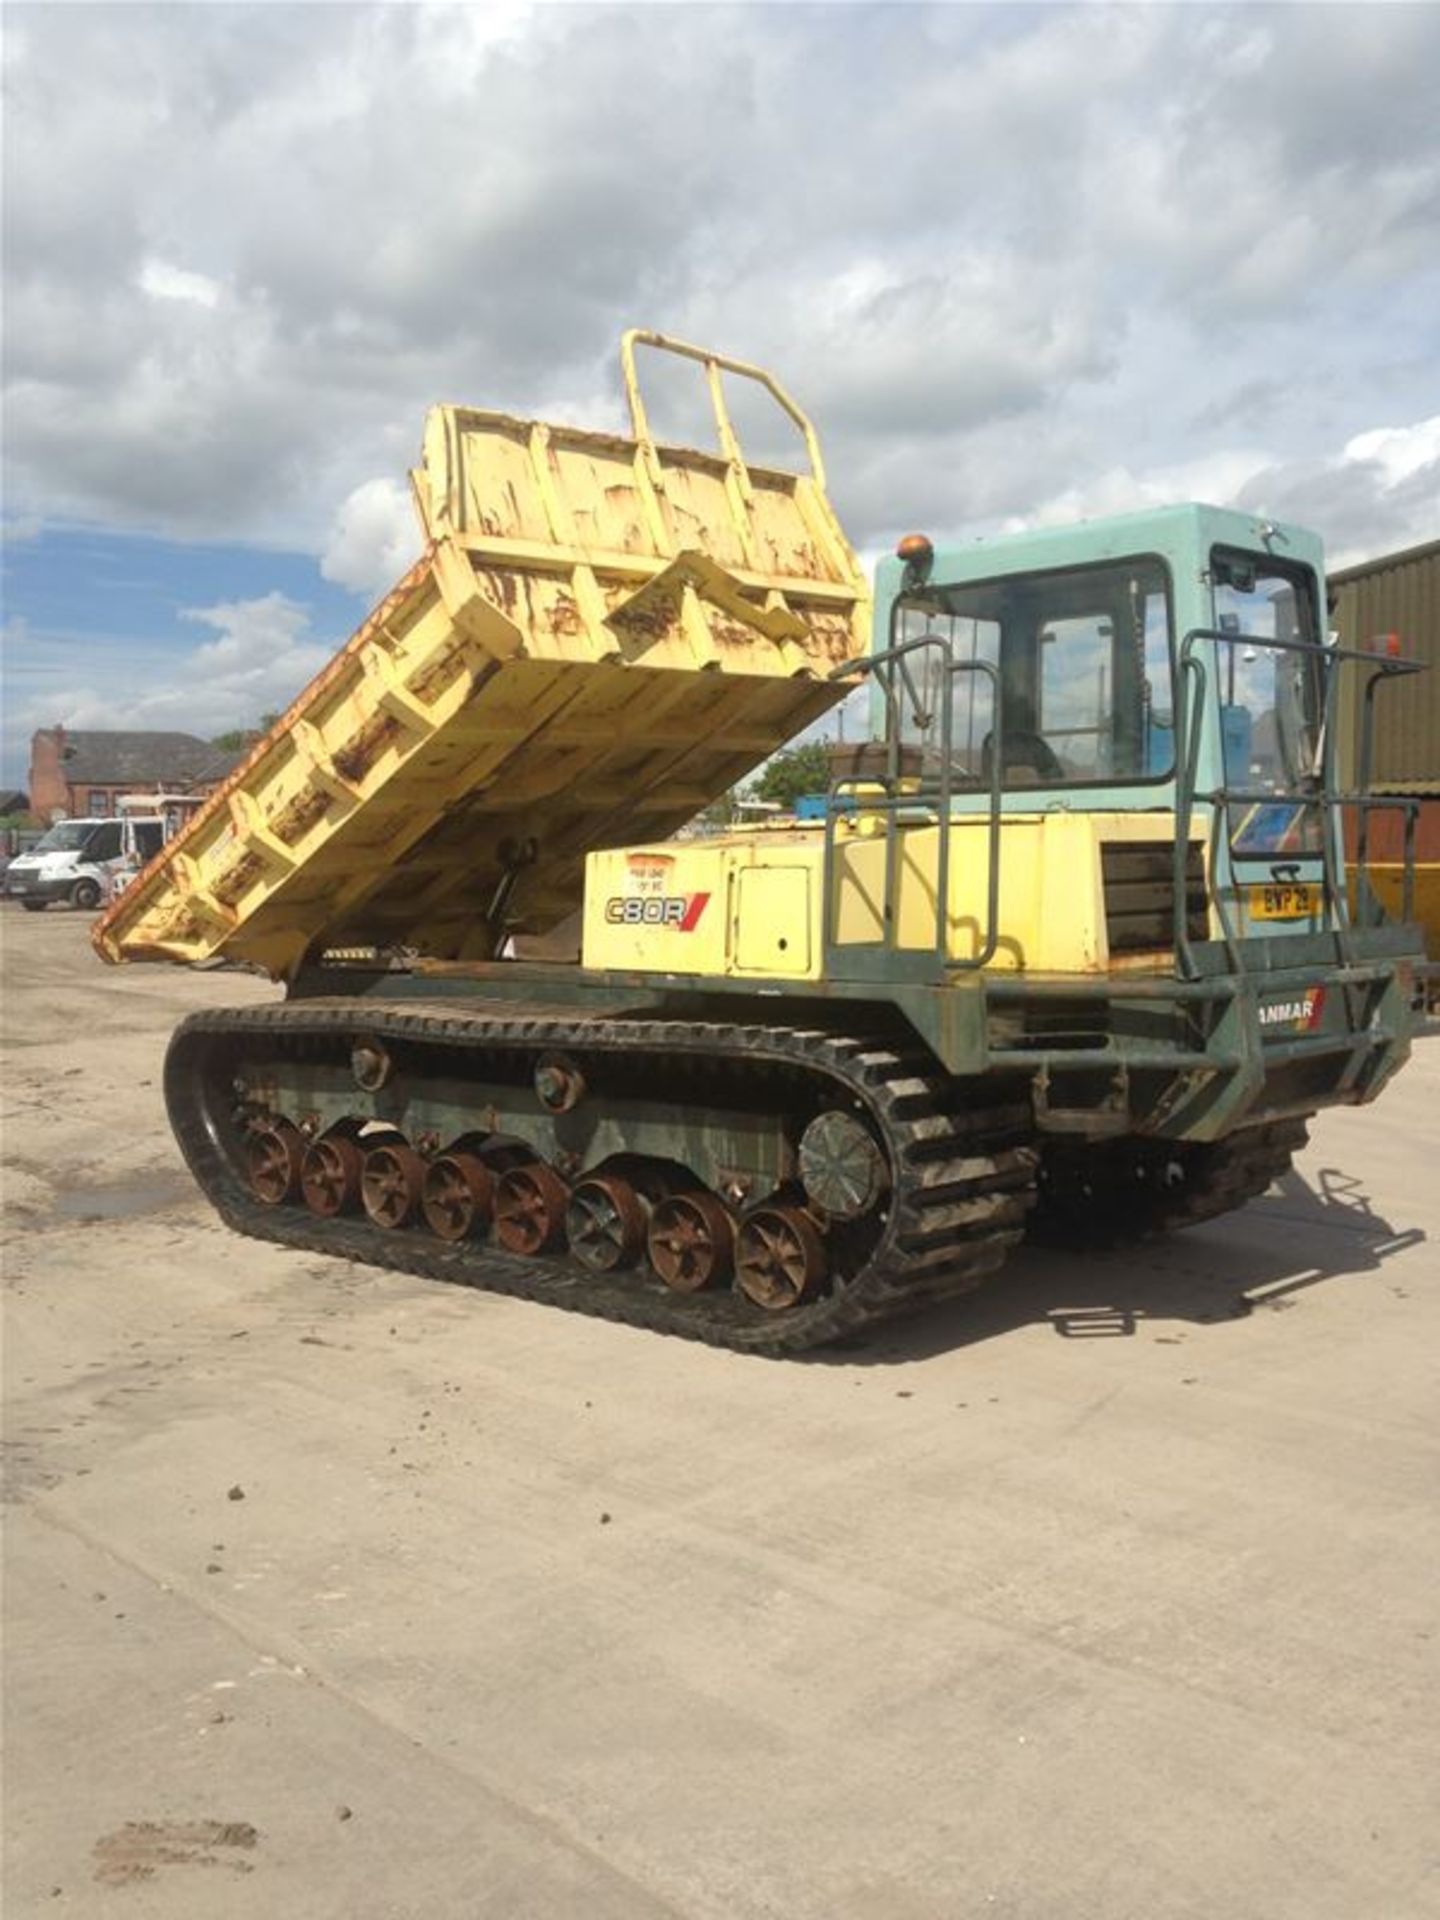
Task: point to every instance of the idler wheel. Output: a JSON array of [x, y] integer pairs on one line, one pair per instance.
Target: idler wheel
[[779, 1258], [841, 1167], [391, 1184], [692, 1241], [330, 1175], [273, 1155], [559, 1083], [605, 1223], [530, 1208], [458, 1195]]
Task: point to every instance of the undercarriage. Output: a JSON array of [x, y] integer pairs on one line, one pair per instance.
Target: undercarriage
[[765, 1188]]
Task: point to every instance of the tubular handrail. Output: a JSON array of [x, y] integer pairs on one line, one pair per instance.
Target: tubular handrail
[[1189, 728], [889, 666], [892, 668], [1366, 802], [1187, 774], [714, 364]]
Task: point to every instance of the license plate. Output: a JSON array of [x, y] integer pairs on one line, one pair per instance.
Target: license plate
[[1291, 901]]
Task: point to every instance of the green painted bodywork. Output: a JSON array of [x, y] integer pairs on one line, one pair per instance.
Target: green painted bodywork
[[728, 1148]]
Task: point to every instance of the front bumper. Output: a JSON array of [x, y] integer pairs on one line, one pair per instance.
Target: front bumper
[[32, 886], [1268, 1029]]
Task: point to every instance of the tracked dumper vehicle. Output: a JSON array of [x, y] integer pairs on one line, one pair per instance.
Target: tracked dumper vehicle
[[1066, 954]]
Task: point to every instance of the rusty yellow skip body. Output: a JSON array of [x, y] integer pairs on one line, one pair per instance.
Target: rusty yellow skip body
[[602, 635]]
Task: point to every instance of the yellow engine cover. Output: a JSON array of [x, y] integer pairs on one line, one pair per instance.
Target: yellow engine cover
[[750, 904]]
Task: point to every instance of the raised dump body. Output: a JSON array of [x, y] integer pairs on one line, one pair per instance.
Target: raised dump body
[[601, 636]]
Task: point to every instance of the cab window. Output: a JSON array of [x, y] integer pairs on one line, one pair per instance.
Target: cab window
[[1082, 658], [1271, 701]]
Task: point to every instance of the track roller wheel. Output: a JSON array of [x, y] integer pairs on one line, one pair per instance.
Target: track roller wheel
[[779, 1258], [273, 1156], [605, 1223], [458, 1196], [330, 1175], [692, 1241], [391, 1184], [530, 1205]]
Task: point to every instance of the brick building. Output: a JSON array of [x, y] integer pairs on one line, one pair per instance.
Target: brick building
[[81, 775]]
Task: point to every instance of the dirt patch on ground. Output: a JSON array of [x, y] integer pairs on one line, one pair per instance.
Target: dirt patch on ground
[[140, 1848]]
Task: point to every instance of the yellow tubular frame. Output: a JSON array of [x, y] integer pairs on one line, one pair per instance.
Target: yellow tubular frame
[[714, 364]]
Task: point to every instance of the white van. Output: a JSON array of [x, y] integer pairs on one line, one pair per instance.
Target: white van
[[77, 859]]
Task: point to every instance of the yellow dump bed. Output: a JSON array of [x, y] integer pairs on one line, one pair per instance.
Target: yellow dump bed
[[602, 635]]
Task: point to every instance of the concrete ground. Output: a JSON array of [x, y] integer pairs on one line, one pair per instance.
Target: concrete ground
[[332, 1593]]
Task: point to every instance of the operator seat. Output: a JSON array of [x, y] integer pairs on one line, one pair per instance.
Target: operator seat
[[1029, 759]]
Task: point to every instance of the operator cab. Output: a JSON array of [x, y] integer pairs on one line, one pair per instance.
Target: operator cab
[[1065, 652], [1079, 630]]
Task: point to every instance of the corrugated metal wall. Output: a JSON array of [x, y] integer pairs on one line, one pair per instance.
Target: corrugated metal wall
[[1398, 593]]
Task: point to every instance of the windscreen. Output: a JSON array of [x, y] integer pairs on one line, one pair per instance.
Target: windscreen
[[1083, 662], [1270, 699], [68, 837]]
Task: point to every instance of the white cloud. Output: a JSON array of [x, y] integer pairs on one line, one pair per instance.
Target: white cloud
[[1003, 255], [1379, 494], [1399, 452], [1216, 478], [254, 634], [1380, 491], [260, 658], [164, 282], [373, 540]]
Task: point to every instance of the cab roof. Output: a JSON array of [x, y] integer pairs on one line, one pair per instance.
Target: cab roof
[[1173, 531]]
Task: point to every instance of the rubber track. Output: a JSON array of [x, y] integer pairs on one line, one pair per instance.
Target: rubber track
[[963, 1179], [1118, 1208]]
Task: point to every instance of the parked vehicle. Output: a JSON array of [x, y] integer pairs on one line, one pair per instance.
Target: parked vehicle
[[76, 859], [15, 841], [1069, 958], [173, 811]]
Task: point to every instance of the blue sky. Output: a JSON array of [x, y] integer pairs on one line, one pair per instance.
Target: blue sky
[[126, 625], [127, 588], [1022, 264]]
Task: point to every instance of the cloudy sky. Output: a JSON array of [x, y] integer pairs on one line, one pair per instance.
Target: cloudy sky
[[1021, 263]]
